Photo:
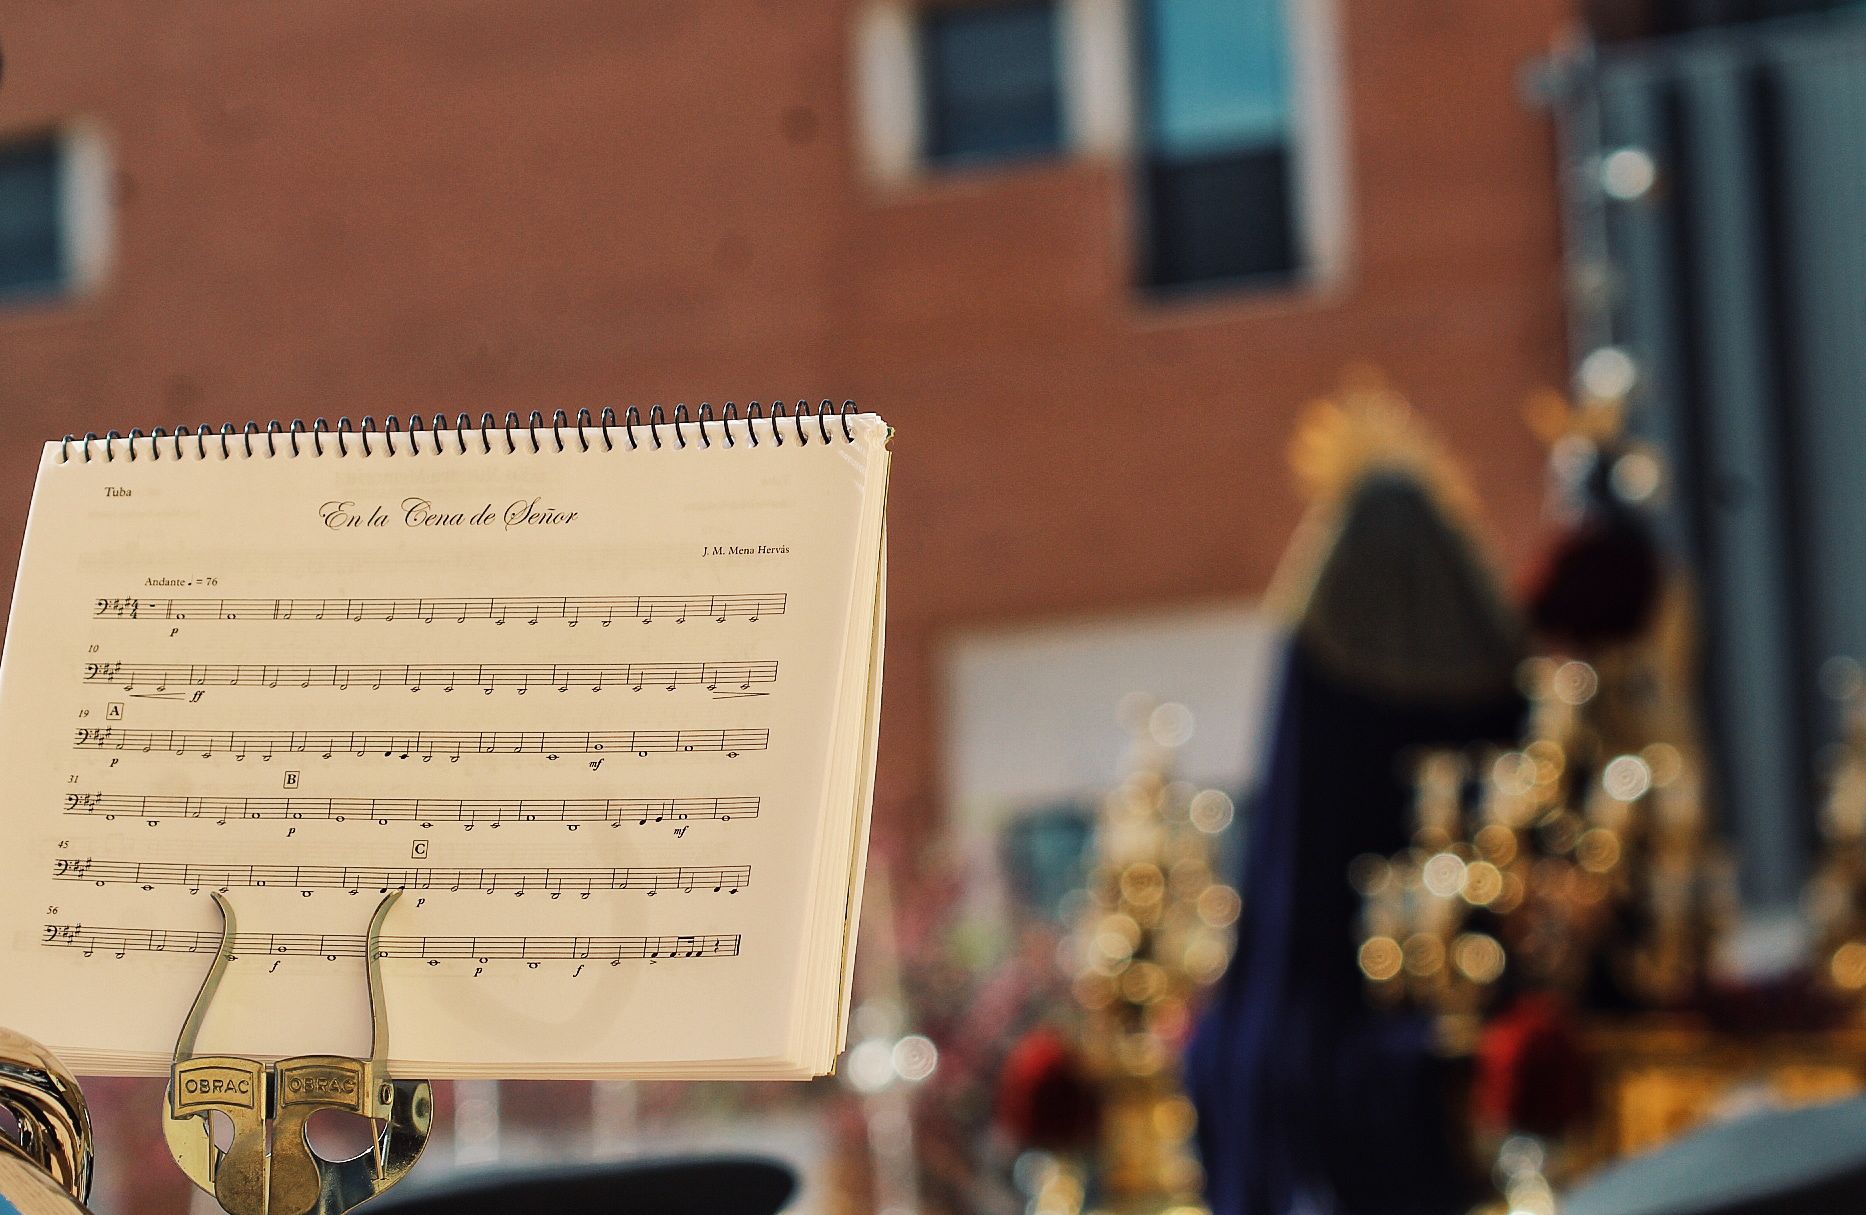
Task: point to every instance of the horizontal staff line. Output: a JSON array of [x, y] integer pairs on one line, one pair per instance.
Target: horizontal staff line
[[351, 945], [425, 743], [380, 878], [564, 676], [600, 609], [641, 810]]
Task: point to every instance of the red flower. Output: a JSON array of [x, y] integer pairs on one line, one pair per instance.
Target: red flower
[[1046, 1099], [1532, 1073]]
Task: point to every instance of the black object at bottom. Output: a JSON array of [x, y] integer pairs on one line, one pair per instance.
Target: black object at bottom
[[720, 1185]]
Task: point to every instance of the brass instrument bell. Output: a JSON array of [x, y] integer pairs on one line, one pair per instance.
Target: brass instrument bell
[[46, 1170]]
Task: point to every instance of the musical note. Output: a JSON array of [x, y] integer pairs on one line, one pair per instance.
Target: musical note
[[425, 744], [722, 879], [488, 676], [496, 609], [384, 810], [332, 946]]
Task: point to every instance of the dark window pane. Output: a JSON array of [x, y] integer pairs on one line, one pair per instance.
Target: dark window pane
[[31, 244], [991, 81], [1215, 93], [1044, 854], [1221, 216]]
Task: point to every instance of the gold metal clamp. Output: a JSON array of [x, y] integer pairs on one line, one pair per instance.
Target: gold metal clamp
[[270, 1168]]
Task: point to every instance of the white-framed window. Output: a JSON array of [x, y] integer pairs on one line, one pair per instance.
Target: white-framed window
[[1227, 112], [54, 213]]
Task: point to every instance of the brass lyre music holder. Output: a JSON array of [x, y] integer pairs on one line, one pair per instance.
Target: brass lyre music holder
[[270, 1168]]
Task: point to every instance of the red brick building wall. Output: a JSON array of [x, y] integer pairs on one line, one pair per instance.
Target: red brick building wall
[[359, 208]]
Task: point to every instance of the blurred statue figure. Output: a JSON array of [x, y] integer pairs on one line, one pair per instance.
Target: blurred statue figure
[[1309, 1100]]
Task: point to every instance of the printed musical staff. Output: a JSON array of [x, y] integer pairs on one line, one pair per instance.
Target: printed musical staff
[[422, 744], [712, 676], [502, 609], [649, 879], [471, 811], [331, 946]]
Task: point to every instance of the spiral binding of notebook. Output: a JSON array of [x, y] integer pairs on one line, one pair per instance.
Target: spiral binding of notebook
[[702, 426]]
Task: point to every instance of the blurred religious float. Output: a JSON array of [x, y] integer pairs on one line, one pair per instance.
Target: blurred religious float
[[1563, 910], [1397, 637], [1489, 939], [1098, 1107]]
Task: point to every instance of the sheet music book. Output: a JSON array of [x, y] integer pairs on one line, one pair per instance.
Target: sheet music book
[[601, 700]]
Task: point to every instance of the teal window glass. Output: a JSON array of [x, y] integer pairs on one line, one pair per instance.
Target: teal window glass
[[32, 238], [991, 82], [1216, 176]]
